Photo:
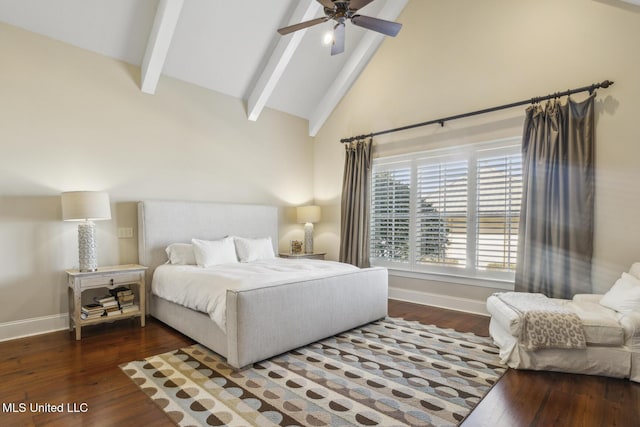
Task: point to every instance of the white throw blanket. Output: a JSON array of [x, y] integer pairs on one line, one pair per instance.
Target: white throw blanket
[[545, 323]]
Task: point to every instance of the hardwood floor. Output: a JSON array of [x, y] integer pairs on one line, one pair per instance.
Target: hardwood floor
[[55, 369], [529, 398]]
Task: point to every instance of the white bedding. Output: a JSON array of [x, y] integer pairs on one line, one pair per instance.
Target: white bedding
[[204, 289]]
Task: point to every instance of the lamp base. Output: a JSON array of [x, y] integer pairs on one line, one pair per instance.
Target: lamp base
[[308, 238], [87, 246]]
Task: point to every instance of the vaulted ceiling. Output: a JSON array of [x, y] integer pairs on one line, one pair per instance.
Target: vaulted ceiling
[[227, 46]]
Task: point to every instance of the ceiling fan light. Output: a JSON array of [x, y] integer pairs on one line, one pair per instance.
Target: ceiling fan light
[[342, 11], [327, 39]]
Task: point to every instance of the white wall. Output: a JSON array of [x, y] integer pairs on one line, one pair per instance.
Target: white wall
[[455, 57], [74, 120], [71, 119]]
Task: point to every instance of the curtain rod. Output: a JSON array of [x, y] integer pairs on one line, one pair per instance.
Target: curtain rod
[[605, 84]]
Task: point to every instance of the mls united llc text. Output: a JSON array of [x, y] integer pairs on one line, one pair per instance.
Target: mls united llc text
[[45, 407]]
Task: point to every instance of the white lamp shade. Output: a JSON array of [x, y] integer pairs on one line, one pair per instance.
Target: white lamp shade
[[85, 205], [308, 214]]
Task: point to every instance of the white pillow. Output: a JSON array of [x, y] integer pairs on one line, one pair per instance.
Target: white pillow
[[635, 270], [181, 253], [214, 252], [624, 295], [254, 249]]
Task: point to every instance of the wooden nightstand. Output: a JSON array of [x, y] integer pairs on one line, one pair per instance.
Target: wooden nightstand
[[305, 256], [105, 277]]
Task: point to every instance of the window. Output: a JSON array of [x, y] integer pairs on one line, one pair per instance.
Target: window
[[451, 211], [391, 210]]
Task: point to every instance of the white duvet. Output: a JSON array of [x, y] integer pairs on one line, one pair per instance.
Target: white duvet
[[204, 289]]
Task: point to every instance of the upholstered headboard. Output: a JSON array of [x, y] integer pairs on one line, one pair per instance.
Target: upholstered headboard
[[161, 223]]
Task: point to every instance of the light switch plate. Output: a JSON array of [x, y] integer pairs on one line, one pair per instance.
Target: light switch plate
[[125, 233]]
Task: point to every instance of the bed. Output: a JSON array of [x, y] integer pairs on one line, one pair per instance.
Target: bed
[[259, 321]]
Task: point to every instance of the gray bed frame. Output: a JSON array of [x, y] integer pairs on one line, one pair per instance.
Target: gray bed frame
[[261, 322]]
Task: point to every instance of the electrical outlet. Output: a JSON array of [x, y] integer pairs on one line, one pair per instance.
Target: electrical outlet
[[125, 233]]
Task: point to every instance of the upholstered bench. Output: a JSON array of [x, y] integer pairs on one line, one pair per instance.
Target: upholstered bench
[[610, 323]]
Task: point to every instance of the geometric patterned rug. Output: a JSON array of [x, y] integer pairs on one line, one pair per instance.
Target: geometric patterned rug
[[390, 373]]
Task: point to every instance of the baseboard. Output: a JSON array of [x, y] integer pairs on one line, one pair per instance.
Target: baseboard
[[443, 301], [34, 326], [58, 322]]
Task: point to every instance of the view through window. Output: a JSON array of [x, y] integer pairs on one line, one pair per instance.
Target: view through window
[[452, 211]]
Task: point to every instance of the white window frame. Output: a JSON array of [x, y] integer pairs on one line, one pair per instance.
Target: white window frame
[[468, 274]]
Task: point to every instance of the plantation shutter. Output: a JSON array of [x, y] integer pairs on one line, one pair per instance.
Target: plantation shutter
[[441, 213], [452, 212], [390, 214], [499, 193]]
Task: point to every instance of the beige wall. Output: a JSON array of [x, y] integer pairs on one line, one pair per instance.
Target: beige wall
[[71, 119], [465, 55], [74, 120]]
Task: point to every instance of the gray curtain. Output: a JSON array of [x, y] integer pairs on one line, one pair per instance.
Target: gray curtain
[[555, 243], [354, 229]]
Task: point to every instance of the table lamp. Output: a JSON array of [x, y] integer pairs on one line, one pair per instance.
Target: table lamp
[[308, 215], [86, 206]]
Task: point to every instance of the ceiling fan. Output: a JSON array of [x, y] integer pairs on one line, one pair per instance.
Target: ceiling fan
[[341, 11]]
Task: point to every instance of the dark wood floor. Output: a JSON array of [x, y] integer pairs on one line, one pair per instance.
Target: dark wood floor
[[54, 368], [528, 398]]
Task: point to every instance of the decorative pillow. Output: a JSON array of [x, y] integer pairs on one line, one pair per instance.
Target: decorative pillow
[[635, 270], [181, 253], [254, 249], [214, 252], [624, 295]]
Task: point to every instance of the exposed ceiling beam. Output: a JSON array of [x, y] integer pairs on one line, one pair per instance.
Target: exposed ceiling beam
[[361, 56], [160, 37], [279, 59]]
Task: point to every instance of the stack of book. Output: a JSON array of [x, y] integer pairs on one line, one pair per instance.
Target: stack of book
[[91, 311], [125, 298], [109, 304]]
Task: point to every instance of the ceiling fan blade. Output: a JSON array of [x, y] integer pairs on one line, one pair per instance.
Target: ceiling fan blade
[[338, 39], [358, 4], [327, 3], [300, 26], [380, 25]]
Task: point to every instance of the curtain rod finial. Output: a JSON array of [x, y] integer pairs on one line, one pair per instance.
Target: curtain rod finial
[[605, 84]]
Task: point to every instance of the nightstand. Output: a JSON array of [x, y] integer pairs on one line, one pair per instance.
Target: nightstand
[[109, 278], [305, 256]]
